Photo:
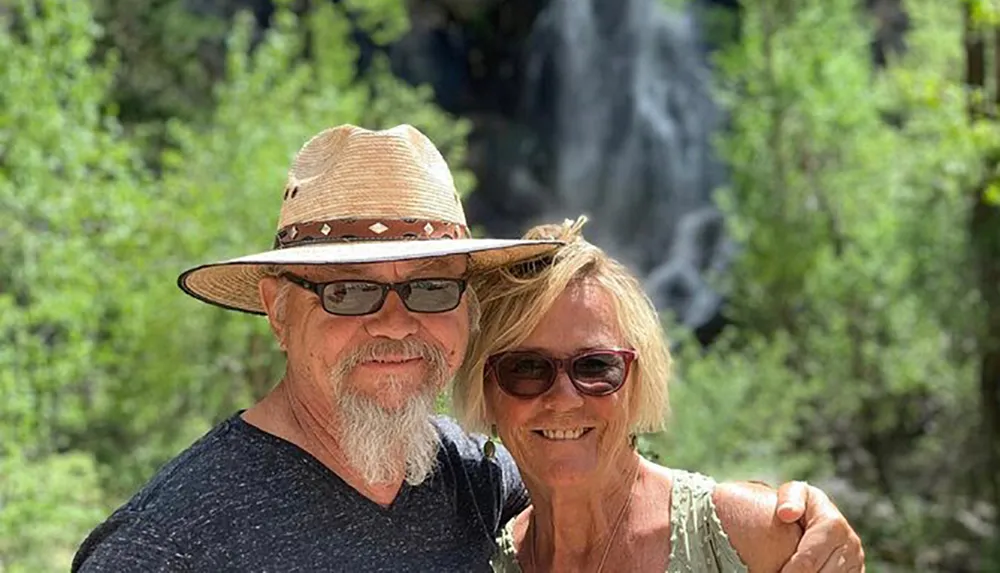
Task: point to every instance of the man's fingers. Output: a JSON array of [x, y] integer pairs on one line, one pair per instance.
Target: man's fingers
[[828, 543], [814, 550], [837, 562], [801, 563], [792, 501], [806, 561], [854, 555], [846, 559]]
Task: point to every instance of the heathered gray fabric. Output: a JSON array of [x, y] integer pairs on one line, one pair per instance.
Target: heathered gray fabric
[[241, 499]]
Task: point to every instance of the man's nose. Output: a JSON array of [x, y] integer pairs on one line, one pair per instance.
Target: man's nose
[[393, 320]]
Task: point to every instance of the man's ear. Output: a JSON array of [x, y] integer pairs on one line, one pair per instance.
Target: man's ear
[[272, 299]]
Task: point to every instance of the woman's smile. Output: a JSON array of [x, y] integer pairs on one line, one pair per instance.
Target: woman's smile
[[565, 434]]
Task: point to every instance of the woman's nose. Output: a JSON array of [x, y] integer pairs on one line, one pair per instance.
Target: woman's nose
[[562, 396]]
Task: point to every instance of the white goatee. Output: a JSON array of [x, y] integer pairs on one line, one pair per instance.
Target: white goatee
[[381, 443]]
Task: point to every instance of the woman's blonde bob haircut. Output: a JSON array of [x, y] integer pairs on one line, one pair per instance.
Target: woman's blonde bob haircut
[[514, 300]]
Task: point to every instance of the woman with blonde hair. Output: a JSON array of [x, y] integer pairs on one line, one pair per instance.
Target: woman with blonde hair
[[570, 363]]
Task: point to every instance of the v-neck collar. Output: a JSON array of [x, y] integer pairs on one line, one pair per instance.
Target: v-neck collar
[[331, 477]]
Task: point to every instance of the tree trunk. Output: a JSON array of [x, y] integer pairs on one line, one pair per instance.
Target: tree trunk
[[984, 233], [975, 63]]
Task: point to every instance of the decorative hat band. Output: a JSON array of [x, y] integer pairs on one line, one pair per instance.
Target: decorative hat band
[[341, 230]]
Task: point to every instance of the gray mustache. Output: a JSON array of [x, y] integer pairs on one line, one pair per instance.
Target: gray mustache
[[410, 347]]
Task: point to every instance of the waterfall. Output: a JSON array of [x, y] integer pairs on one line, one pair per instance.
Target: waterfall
[[620, 96]]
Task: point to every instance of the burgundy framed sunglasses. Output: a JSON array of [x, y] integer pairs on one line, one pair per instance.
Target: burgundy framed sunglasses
[[529, 373]]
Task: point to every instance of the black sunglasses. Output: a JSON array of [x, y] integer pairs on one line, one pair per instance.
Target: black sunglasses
[[358, 298], [528, 374]]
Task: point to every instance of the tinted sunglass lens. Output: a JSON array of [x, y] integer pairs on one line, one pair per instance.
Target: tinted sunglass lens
[[599, 373], [433, 295], [524, 374], [352, 298]]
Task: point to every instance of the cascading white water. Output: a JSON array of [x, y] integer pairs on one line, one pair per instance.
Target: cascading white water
[[625, 92]]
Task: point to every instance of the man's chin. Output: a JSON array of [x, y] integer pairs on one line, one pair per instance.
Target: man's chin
[[393, 404], [394, 393], [393, 400]]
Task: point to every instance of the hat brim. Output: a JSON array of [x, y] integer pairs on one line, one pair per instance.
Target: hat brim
[[232, 284]]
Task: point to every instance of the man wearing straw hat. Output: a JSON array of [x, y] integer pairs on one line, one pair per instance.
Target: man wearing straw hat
[[342, 466]]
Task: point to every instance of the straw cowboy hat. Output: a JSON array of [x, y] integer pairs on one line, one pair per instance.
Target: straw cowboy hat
[[360, 196]]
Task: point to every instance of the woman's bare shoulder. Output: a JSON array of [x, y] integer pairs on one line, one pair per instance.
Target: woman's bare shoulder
[[748, 515]]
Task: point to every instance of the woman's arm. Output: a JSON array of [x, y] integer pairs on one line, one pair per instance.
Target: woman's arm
[[748, 515]]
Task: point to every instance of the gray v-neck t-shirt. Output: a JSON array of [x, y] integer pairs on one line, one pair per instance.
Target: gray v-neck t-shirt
[[241, 499]]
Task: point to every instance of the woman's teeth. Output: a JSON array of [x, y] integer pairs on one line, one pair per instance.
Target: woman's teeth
[[564, 434]]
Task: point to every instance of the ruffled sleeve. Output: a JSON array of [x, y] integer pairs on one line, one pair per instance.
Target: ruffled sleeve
[[697, 541]]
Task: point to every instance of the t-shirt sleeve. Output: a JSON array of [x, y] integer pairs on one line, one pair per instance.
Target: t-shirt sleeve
[[127, 542], [498, 492]]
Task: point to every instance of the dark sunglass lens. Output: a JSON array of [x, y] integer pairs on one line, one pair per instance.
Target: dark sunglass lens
[[352, 298], [524, 374], [599, 373], [437, 295]]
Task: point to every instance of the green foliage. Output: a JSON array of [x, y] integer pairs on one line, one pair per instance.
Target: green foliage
[[851, 362], [71, 200], [385, 20], [167, 58], [735, 381], [985, 12], [47, 503]]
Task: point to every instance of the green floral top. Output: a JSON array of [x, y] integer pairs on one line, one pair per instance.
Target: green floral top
[[698, 544]]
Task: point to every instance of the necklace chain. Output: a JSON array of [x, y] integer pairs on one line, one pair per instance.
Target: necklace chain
[[614, 530]]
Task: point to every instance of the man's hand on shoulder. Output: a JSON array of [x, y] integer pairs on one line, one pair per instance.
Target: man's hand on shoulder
[[828, 542], [747, 512]]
